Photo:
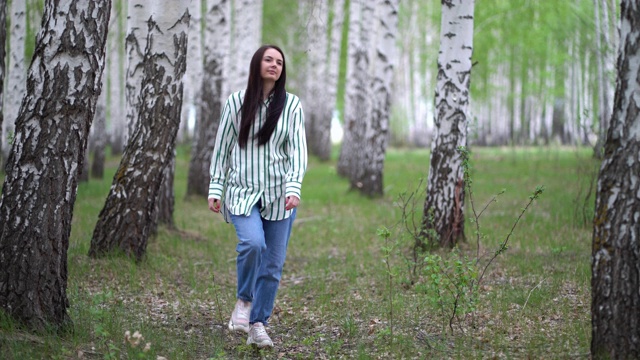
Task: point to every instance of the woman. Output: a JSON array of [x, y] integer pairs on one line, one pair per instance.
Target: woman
[[258, 162]]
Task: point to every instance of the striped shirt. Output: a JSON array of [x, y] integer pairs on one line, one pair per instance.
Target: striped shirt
[[268, 173]]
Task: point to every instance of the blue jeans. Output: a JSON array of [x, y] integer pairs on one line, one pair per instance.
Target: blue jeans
[[262, 248]]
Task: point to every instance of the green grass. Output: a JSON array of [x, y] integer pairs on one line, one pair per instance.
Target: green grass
[[334, 297]]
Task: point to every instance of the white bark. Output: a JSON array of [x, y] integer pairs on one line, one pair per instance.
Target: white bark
[[217, 46], [3, 71], [383, 60], [443, 210], [40, 186], [372, 56], [138, 14], [615, 257], [246, 35], [357, 108], [115, 78], [335, 42], [193, 76], [127, 219], [216, 49], [317, 102], [16, 72]]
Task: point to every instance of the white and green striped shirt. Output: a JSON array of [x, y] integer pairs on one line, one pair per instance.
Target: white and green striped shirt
[[270, 172]]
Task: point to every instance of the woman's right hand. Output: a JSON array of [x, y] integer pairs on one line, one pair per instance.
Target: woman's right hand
[[214, 205]]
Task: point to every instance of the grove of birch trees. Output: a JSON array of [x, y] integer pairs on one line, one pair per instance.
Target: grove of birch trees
[[137, 77], [543, 70]]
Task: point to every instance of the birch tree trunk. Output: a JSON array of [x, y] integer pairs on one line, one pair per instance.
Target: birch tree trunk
[[3, 41], [333, 72], [193, 75], [166, 197], [370, 176], [16, 74], [138, 28], [246, 34], [357, 108], [115, 82], [411, 78], [616, 233], [39, 190], [136, 44], [318, 108], [443, 209], [216, 49], [127, 218]]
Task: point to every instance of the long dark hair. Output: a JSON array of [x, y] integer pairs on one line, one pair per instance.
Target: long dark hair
[[253, 98]]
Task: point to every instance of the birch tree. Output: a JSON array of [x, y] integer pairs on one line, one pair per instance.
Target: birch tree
[[163, 213], [357, 108], [127, 217], [368, 105], [317, 103], [16, 72], [333, 72], [616, 233], [216, 49], [246, 34], [193, 75], [138, 28], [40, 186], [3, 40], [116, 115], [371, 168], [323, 21], [444, 204]]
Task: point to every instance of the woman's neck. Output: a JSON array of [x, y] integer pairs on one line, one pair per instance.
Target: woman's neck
[[266, 90]]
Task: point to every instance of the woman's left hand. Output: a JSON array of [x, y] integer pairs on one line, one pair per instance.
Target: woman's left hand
[[292, 201]]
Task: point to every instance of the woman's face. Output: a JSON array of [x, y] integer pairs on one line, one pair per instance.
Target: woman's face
[[271, 67]]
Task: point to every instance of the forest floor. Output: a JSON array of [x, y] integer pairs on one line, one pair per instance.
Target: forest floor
[[349, 291]]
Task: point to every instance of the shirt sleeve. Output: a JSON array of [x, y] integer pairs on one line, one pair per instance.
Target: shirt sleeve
[[298, 154], [225, 140]]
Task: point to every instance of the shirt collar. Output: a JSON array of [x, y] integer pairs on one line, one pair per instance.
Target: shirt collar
[[268, 99]]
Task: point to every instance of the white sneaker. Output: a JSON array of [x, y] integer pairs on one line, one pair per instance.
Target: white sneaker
[[258, 336], [240, 317]]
